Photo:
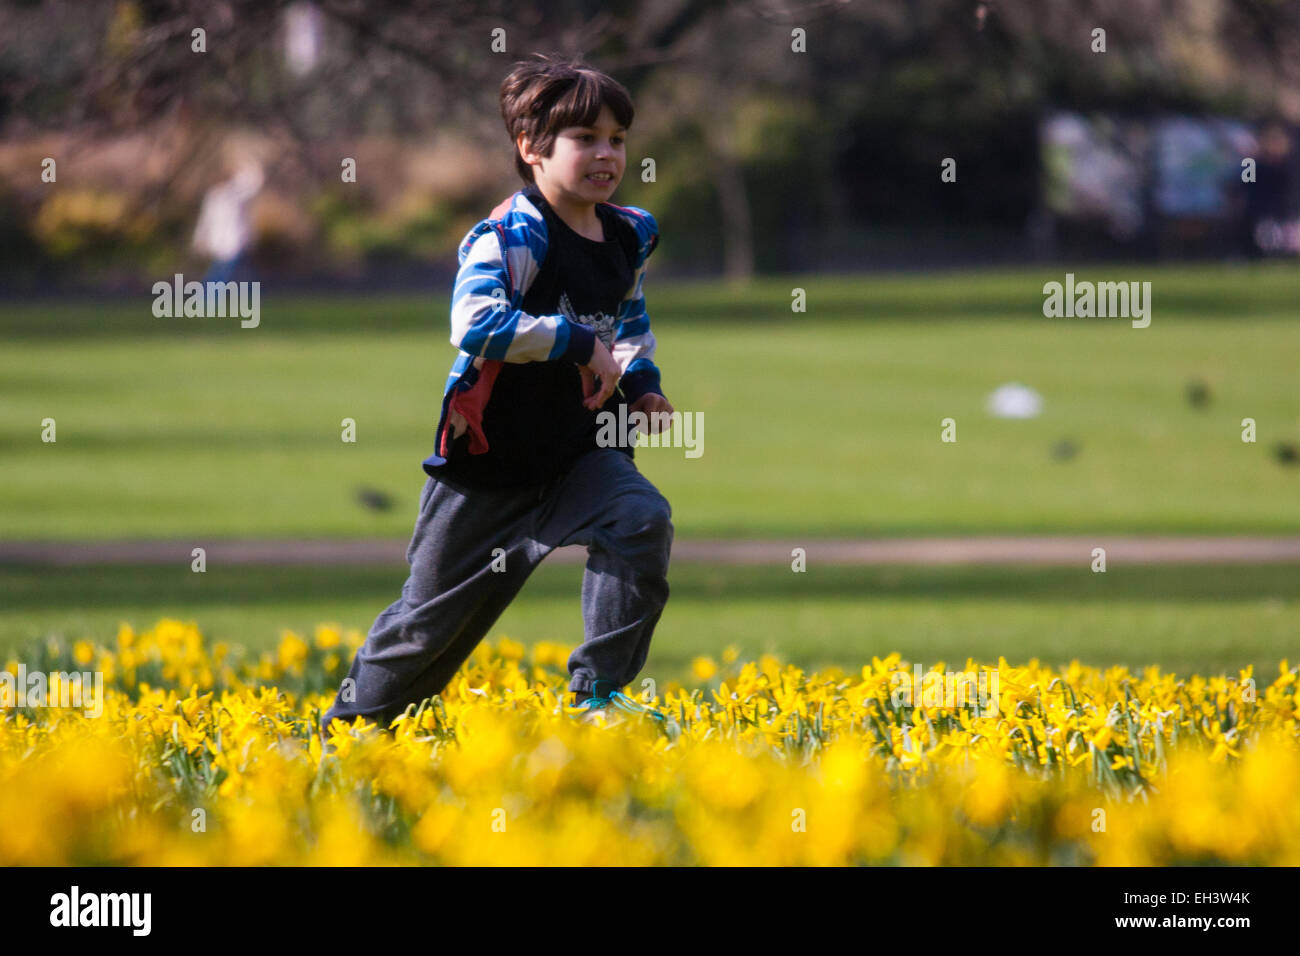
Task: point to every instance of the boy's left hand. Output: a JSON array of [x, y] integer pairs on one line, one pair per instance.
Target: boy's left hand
[[650, 403]]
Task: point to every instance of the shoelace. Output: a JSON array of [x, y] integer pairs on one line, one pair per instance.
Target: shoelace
[[605, 692], [624, 702]]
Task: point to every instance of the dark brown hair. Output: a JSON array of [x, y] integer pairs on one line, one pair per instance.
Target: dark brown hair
[[546, 94]]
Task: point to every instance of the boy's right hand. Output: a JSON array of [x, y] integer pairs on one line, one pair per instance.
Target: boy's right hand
[[602, 366]]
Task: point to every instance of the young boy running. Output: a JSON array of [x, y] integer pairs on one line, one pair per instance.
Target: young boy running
[[550, 321]]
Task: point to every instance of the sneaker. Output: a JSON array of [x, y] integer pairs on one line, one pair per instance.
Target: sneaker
[[597, 697], [596, 710], [626, 703], [585, 707], [606, 696]]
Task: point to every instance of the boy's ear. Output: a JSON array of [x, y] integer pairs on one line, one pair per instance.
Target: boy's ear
[[522, 144]]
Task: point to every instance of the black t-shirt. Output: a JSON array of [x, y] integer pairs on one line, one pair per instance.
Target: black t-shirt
[[534, 419]]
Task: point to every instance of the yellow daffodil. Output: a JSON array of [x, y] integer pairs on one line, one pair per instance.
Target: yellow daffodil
[[774, 767]]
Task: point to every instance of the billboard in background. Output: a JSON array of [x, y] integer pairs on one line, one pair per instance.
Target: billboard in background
[[1093, 170], [1153, 176], [1197, 166]]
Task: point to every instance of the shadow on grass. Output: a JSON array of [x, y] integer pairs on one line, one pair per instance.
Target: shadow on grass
[[43, 588], [1213, 292]]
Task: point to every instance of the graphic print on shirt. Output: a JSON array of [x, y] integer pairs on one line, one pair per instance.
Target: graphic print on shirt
[[600, 322]]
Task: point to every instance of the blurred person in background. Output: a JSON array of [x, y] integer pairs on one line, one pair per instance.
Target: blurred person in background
[[224, 230], [1268, 200]]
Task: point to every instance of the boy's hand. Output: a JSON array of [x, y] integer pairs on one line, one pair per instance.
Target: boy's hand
[[602, 366], [650, 403]]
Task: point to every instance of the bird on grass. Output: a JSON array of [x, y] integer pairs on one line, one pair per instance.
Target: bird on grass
[[374, 499]]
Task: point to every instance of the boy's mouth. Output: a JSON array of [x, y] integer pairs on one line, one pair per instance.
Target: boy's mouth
[[600, 179]]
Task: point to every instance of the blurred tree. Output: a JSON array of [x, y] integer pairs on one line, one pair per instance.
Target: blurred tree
[[766, 156]]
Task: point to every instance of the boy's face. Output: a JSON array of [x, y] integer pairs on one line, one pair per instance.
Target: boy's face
[[581, 153]]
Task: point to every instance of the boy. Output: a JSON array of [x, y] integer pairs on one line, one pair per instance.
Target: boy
[[548, 315]]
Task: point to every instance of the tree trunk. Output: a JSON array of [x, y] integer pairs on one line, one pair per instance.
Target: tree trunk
[[733, 197]]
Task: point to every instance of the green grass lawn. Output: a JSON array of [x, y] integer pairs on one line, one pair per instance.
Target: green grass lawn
[[825, 422], [1186, 619], [818, 423]]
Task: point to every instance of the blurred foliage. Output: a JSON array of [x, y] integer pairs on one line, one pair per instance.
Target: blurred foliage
[[417, 226], [766, 159]]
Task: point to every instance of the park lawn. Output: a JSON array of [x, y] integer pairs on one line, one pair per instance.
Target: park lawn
[[819, 423], [1188, 619]]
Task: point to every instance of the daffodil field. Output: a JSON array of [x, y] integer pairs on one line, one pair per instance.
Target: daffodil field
[[206, 755]]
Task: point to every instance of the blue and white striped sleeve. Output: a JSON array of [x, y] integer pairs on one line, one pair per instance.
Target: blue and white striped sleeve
[[634, 345], [485, 323]]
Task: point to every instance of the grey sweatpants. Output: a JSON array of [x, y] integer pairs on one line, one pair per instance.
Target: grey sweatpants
[[453, 594]]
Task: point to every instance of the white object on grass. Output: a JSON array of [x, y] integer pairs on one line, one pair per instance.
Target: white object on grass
[[1014, 400]]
